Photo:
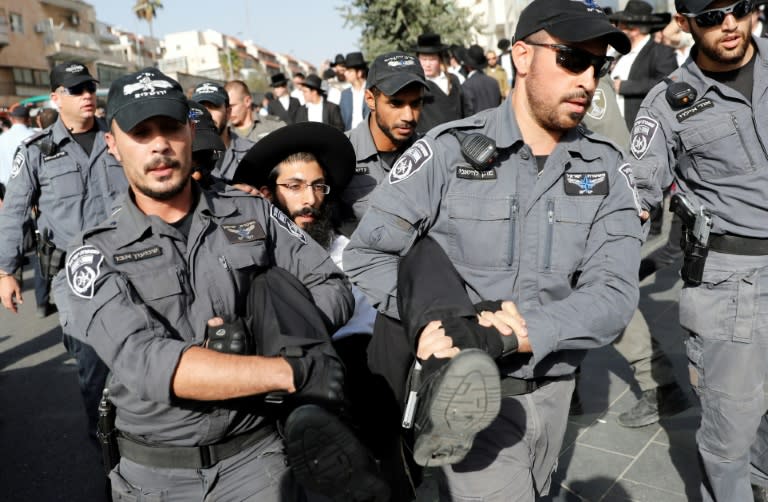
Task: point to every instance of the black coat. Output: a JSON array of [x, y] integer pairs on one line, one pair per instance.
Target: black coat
[[440, 108], [331, 115], [288, 116], [653, 63], [480, 93]]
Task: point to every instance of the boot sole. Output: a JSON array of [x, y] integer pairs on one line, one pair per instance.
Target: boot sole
[[465, 401], [327, 458]]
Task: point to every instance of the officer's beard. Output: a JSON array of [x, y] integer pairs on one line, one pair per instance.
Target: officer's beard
[[321, 229], [399, 141], [171, 191], [545, 113]]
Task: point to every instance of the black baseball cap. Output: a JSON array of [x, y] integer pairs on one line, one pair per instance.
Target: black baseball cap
[[692, 6], [20, 111], [570, 21], [210, 92], [147, 93], [70, 74], [392, 71], [206, 134]]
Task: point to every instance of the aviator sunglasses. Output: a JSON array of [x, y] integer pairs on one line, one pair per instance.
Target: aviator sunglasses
[[578, 60], [715, 17], [77, 90]]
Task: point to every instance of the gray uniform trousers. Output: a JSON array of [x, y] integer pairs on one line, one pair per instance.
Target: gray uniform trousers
[[258, 473], [727, 317]]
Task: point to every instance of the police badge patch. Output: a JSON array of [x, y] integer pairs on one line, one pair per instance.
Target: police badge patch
[[642, 134], [287, 223], [18, 163], [599, 105], [586, 183], [83, 269], [244, 232], [626, 171], [410, 162]]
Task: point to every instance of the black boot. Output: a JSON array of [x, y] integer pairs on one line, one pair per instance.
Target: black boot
[[663, 401]]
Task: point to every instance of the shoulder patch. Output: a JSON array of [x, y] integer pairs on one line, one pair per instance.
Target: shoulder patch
[[18, 163], [697, 108], [626, 171], [586, 183], [598, 106], [642, 135], [410, 162], [284, 221], [83, 266], [244, 232]]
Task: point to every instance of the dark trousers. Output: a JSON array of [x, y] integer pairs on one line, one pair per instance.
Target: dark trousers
[[92, 375]]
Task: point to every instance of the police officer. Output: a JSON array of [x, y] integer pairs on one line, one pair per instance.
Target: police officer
[[548, 232], [67, 172], [142, 288], [706, 129], [394, 94]]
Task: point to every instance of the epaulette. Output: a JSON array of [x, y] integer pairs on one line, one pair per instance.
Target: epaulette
[[477, 122], [596, 136], [110, 224], [36, 136], [272, 118]]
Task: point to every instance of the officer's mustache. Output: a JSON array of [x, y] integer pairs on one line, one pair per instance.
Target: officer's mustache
[[306, 211], [161, 161], [582, 94]]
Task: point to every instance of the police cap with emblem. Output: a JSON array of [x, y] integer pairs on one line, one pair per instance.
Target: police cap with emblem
[[330, 147], [147, 93], [206, 134], [392, 71], [692, 6], [570, 21], [70, 74], [210, 92]]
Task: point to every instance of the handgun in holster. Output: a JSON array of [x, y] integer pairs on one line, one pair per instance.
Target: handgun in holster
[[697, 222], [51, 258], [106, 433]]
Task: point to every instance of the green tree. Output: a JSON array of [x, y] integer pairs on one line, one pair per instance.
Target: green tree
[[233, 59], [146, 10], [389, 25]]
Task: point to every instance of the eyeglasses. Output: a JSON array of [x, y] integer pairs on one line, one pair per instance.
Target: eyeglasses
[[77, 90], [578, 60], [297, 188], [715, 17]]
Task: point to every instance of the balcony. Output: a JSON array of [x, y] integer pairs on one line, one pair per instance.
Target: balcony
[[4, 38], [73, 5], [61, 43]]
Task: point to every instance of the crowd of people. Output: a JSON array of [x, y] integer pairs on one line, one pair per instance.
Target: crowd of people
[[401, 263]]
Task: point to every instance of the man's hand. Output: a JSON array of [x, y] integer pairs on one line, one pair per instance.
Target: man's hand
[[644, 215], [616, 85], [244, 187], [10, 292], [434, 342], [508, 322]]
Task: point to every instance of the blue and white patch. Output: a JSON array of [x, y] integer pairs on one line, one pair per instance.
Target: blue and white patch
[[83, 268], [287, 224], [18, 163], [410, 162], [586, 183], [244, 232], [626, 171], [599, 105], [642, 135]]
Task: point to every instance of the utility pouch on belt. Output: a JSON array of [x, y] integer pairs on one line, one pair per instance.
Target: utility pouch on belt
[[694, 242], [51, 258]]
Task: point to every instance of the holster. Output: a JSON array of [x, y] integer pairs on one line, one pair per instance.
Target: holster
[[106, 433], [51, 258], [694, 258]]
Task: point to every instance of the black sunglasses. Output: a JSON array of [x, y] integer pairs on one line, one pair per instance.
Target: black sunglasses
[[578, 60], [77, 90], [715, 17]]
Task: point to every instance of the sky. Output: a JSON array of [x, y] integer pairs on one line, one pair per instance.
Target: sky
[[312, 30]]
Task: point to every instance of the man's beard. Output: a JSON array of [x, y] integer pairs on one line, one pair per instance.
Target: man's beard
[[170, 192], [388, 132], [321, 229], [717, 54], [545, 113]]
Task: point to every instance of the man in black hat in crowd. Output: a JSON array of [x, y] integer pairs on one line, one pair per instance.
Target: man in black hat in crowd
[[505, 58], [444, 99], [316, 107], [67, 172], [352, 103], [647, 63], [480, 91], [283, 105], [215, 98]]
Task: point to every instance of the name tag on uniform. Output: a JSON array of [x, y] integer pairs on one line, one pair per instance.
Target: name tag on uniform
[[586, 183], [55, 156], [362, 170], [697, 108], [244, 232], [470, 173], [137, 255]]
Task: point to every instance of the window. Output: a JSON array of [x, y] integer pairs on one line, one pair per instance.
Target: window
[[27, 76], [17, 23]]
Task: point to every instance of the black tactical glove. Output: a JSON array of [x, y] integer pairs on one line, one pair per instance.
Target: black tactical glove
[[317, 376], [232, 337]]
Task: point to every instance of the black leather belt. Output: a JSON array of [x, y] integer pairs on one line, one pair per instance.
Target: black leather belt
[[734, 244], [511, 386], [188, 457]]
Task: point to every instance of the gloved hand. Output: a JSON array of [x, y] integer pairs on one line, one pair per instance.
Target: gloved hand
[[509, 343], [469, 334], [317, 376], [231, 336]]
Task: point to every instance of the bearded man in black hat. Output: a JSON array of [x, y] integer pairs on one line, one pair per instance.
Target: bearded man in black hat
[[444, 99], [647, 63], [480, 91]]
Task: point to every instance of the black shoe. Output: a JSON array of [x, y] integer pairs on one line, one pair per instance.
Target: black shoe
[[663, 401], [455, 403], [328, 459], [647, 267], [44, 311], [576, 407]]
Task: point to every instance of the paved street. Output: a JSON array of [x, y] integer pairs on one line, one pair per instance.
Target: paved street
[[47, 456]]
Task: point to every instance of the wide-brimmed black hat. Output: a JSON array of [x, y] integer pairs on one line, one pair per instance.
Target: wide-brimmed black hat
[[474, 57], [278, 80], [355, 60], [70, 74], [504, 44], [147, 93], [339, 59], [640, 13], [206, 134], [330, 146], [429, 43], [570, 21], [314, 82]]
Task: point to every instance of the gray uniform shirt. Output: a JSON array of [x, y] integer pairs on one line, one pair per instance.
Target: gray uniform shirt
[[715, 149], [72, 191], [141, 294], [513, 234], [261, 127], [238, 147]]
